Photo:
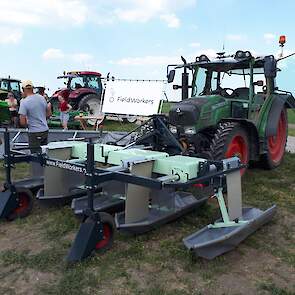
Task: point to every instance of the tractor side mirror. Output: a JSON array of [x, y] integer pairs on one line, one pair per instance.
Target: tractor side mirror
[[170, 76], [270, 67], [258, 83]]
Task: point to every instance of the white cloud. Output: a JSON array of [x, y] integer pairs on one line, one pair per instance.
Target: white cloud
[[171, 19], [143, 11], [195, 44], [269, 37], [36, 12], [79, 12], [54, 53], [10, 35], [235, 37]]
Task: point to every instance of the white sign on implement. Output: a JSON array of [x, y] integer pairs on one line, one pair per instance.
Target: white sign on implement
[[133, 97]]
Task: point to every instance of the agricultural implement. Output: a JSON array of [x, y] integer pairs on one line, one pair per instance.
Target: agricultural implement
[[232, 107], [145, 188]]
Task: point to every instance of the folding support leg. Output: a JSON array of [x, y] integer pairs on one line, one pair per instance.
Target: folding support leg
[[137, 197]]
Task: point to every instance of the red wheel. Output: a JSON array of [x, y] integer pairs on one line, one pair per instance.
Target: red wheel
[[230, 140], [276, 144], [25, 205], [238, 148], [107, 235], [109, 229]]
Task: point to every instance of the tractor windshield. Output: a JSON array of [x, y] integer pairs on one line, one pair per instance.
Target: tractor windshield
[[85, 81], [210, 82], [4, 85]]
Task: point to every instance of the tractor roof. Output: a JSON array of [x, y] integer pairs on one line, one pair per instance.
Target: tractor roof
[[73, 74], [84, 73], [10, 79], [240, 60]]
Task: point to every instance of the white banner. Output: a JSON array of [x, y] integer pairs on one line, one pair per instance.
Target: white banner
[[132, 97]]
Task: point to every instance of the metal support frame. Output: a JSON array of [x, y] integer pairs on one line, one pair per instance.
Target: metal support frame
[[99, 175], [227, 222]]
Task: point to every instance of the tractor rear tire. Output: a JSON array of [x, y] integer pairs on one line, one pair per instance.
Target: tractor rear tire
[[91, 103], [230, 139], [276, 145]]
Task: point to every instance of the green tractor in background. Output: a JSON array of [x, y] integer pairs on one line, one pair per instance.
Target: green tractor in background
[[235, 108], [8, 85]]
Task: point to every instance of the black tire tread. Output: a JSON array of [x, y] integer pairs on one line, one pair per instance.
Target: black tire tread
[[83, 101], [224, 129]]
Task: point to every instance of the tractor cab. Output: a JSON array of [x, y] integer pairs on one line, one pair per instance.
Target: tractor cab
[[231, 106], [238, 82], [10, 85], [78, 80]]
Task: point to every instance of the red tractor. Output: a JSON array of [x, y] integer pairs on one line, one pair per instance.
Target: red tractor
[[83, 91]]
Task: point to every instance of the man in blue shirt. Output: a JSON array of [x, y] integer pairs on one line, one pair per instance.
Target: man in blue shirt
[[33, 113]]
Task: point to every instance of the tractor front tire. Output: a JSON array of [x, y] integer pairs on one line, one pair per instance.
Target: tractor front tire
[[230, 140], [276, 144]]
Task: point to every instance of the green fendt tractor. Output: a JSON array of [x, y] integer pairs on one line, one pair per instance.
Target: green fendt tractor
[[10, 85], [235, 108], [7, 85]]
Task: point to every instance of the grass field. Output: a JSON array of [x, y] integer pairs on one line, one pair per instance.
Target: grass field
[[32, 251], [291, 116]]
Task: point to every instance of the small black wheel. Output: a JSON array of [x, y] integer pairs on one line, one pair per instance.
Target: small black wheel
[[109, 229], [25, 204]]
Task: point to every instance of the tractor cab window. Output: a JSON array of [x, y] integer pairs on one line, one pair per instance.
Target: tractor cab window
[[14, 86], [77, 82], [94, 83], [4, 85], [199, 81]]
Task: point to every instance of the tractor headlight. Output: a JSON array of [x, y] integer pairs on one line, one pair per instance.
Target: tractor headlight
[[190, 130], [173, 129]]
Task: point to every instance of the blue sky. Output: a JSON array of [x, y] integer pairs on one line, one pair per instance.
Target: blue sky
[[135, 38]]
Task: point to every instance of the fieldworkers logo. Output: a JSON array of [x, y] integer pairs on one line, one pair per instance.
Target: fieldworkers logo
[[64, 165], [130, 100]]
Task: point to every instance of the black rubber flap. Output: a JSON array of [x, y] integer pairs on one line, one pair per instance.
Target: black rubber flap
[[89, 234], [8, 203]]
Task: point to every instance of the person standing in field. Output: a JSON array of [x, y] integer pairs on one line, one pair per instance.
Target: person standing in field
[[33, 113], [64, 108], [12, 105]]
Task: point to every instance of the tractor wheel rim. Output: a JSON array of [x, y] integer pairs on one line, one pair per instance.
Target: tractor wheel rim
[[107, 233], [238, 148], [276, 144], [24, 202], [94, 108]]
